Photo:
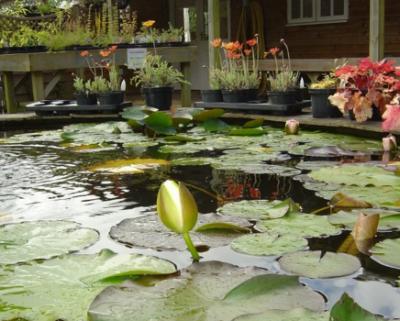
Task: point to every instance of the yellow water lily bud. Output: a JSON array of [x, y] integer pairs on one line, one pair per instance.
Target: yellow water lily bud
[[176, 207], [292, 127]]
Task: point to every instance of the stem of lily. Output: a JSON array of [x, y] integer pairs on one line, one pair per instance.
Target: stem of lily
[[190, 246]]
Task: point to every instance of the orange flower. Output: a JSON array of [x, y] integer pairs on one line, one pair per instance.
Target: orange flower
[[113, 49], [274, 51], [216, 43], [247, 52], [228, 46], [84, 53], [237, 45], [251, 42], [233, 55], [149, 23], [105, 53]]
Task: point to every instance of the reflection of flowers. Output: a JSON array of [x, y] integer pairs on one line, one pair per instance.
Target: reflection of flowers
[[216, 43]]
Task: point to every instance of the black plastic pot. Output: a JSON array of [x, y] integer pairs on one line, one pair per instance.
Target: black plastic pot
[[376, 115], [252, 94], [288, 97], [321, 107], [83, 99], [302, 94], [235, 96], [114, 98], [158, 97], [211, 96]]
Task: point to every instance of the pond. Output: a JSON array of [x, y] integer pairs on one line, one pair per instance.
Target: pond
[[106, 178]]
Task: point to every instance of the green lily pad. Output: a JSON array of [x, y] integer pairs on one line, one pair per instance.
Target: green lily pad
[[149, 232], [215, 125], [388, 219], [161, 123], [43, 136], [128, 166], [258, 168], [258, 209], [254, 123], [192, 161], [317, 265], [247, 131], [291, 315], [313, 165], [204, 115], [387, 253], [302, 225], [134, 113], [63, 288], [205, 291], [23, 242], [348, 310], [264, 244]]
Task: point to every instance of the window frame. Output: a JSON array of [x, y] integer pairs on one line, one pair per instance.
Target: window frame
[[317, 18]]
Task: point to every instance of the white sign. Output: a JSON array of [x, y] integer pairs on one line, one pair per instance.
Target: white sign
[[136, 57]]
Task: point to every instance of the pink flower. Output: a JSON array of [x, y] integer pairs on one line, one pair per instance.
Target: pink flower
[[392, 118], [292, 127]]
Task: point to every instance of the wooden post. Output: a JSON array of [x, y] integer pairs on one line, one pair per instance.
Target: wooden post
[[38, 89], [377, 29], [11, 105], [214, 30], [186, 95]]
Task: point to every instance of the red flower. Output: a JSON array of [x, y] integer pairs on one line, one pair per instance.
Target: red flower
[[113, 48], [105, 53], [237, 46], [392, 118], [251, 42], [247, 52], [216, 43]]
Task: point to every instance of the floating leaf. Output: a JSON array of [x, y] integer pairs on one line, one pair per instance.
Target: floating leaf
[[268, 244], [254, 123], [257, 209], [215, 125], [301, 225], [148, 232], [247, 131], [43, 136], [129, 166], [183, 138], [258, 168], [205, 115], [387, 253], [222, 226], [318, 265], [23, 242], [348, 310], [340, 200], [134, 113], [291, 315], [161, 123], [388, 219], [207, 291], [63, 288]]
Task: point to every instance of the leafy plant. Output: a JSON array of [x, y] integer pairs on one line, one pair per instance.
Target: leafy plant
[[329, 82], [156, 72], [100, 85]]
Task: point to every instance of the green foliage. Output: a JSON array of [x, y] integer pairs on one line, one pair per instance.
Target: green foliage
[[329, 82], [115, 78], [156, 72], [100, 85], [283, 81]]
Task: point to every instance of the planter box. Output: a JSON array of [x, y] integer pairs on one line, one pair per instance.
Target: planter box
[[66, 107], [259, 106]]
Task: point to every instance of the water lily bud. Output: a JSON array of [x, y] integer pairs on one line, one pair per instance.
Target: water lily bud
[[176, 207], [292, 127], [389, 143]]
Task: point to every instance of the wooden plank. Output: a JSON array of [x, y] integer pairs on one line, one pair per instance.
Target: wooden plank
[[10, 102], [377, 29], [52, 84], [38, 88], [186, 94]]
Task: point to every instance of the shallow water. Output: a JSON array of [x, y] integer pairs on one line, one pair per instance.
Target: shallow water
[[41, 181]]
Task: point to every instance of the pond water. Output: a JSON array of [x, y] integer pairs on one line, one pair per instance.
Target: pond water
[[45, 178]]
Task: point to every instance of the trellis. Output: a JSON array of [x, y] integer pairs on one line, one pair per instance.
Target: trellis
[[11, 23]]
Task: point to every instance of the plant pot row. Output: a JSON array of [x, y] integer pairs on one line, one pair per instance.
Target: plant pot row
[[114, 98]]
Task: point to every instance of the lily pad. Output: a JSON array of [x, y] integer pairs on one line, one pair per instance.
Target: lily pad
[[129, 166], [254, 123], [257, 209], [215, 125], [43, 136], [387, 253], [318, 265], [23, 242], [301, 225], [264, 244], [147, 231], [313, 165], [258, 168], [346, 309], [63, 288], [205, 291], [161, 123], [247, 131], [388, 219], [291, 315], [204, 115]]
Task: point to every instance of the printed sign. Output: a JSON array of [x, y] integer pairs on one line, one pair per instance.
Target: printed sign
[[136, 57]]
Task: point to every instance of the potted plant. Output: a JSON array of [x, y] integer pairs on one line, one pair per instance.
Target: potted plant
[[157, 79], [238, 76], [366, 89], [83, 92], [320, 92], [213, 94], [283, 81]]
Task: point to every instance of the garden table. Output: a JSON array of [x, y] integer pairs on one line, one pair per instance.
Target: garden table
[[36, 64]]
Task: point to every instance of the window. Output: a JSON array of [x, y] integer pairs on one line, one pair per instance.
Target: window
[[317, 11]]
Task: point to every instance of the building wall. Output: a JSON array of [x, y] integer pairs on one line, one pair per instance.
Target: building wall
[[348, 39], [152, 10]]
